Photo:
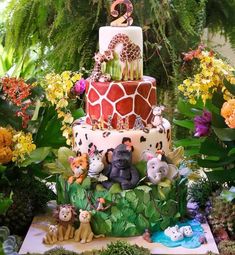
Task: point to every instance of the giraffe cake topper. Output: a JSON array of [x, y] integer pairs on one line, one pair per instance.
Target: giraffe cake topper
[[125, 19]]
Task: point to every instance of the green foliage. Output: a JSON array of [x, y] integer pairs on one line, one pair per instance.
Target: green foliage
[[133, 210], [220, 18], [66, 32], [201, 190], [37, 191], [5, 203], [124, 248], [218, 148]]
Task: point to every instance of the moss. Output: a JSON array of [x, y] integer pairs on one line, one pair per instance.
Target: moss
[[124, 248]]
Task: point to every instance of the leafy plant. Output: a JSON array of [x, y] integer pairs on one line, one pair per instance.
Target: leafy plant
[[121, 248], [207, 113], [8, 244], [201, 190]]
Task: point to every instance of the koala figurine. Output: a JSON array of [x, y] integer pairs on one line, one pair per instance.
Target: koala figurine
[[157, 120], [174, 234]]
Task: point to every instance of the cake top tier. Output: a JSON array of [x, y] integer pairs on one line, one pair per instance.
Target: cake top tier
[[120, 56]]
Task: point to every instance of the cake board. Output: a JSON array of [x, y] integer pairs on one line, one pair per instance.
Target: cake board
[[33, 241]]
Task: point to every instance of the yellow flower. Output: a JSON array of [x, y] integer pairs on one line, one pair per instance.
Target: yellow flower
[[62, 103], [66, 75], [76, 77], [57, 88], [212, 72], [68, 118], [23, 146]]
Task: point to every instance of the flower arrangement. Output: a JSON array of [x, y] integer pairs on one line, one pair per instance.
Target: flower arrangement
[[16, 91], [208, 108], [15, 145], [59, 89]]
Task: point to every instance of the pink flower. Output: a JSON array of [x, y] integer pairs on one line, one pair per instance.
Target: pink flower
[[79, 87]]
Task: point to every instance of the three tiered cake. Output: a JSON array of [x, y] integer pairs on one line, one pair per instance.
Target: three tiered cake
[[131, 181]]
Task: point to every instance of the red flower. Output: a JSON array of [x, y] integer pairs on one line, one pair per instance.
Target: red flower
[[17, 92]]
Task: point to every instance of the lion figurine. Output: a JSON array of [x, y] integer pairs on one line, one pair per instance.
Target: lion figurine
[[84, 233], [51, 236], [79, 166], [65, 216]]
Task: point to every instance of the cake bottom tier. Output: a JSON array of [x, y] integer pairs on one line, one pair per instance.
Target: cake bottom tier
[[129, 212], [104, 140]]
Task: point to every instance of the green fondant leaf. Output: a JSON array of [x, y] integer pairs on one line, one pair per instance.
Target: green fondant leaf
[[86, 184], [145, 188], [141, 167], [165, 223], [115, 188], [116, 213], [142, 222]]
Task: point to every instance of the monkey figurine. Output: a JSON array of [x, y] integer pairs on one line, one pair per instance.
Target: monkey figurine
[[120, 169]]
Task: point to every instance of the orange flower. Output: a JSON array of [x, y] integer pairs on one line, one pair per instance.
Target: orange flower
[[5, 155], [228, 112], [17, 92], [5, 137]]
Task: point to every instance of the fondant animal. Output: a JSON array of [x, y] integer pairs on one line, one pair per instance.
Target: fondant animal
[[96, 166], [173, 233], [147, 236], [157, 120], [65, 216], [79, 166], [51, 236], [84, 233], [186, 231], [97, 74], [157, 168], [130, 51], [121, 170]]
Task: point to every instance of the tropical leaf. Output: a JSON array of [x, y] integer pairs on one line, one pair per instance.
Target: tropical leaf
[[189, 124], [37, 156], [221, 176], [225, 134], [230, 87]]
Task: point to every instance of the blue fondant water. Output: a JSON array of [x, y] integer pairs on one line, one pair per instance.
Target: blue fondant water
[[187, 242]]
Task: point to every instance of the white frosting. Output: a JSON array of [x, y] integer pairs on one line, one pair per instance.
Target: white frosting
[[107, 139], [135, 34], [107, 33]]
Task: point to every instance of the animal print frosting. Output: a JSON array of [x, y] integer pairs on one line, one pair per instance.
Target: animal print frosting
[[121, 100], [105, 140]]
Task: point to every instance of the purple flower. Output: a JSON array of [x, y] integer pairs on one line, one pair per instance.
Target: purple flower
[[79, 87], [202, 124]]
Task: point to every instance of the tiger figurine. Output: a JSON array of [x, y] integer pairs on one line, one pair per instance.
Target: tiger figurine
[[79, 166]]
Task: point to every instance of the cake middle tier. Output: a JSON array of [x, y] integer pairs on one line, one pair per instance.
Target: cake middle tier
[[124, 101]]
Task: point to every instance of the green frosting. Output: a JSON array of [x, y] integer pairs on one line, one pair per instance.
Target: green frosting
[[131, 211], [131, 71]]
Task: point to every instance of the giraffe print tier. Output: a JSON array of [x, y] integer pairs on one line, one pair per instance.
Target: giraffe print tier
[[121, 100]]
